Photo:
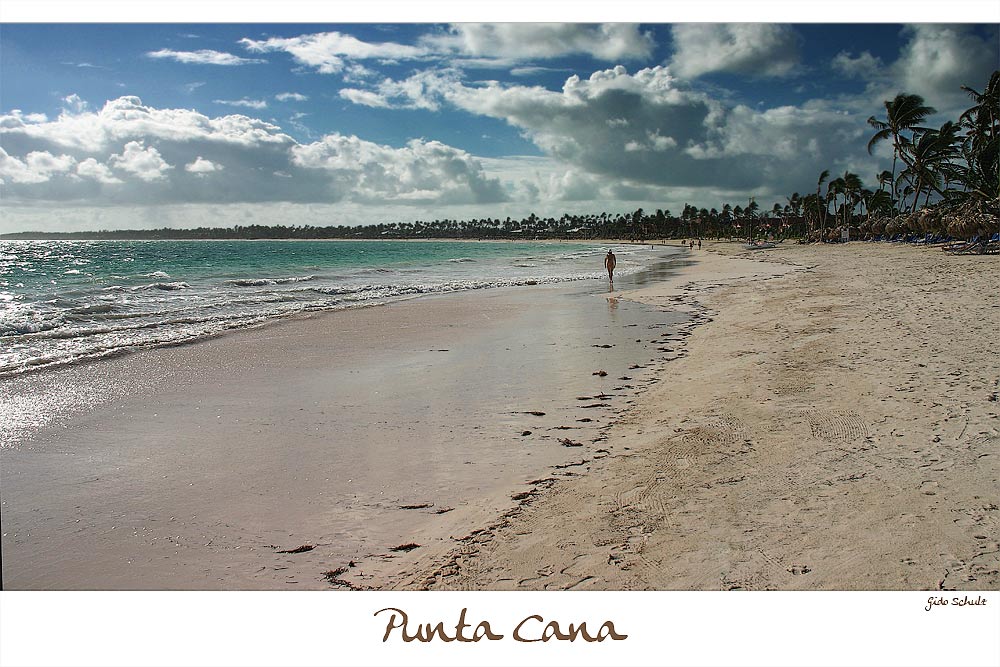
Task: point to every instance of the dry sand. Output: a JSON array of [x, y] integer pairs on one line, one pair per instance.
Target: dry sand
[[833, 426]]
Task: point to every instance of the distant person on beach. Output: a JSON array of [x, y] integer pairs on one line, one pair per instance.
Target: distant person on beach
[[609, 264], [699, 244], [691, 244]]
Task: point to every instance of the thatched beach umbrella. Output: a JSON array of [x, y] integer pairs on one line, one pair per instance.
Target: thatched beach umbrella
[[974, 224], [922, 220], [974, 218], [929, 220], [962, 227]]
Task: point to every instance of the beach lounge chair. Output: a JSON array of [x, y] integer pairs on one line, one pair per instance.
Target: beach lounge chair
[[975, 246]]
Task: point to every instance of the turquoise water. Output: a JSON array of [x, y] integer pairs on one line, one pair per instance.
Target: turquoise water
[[61, 301]]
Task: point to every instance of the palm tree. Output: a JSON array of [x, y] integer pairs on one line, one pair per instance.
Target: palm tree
[[905, 112], [883, 178], [981, 147], [833, 188], [819, 183], [879, 202], [928, 160], [811, 208], [751, 213], [795, 204], [852, 194]]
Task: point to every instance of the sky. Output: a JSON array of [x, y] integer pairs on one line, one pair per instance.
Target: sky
[[108, 125]]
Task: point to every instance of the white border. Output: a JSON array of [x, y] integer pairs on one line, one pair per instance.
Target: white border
[[324, 628], [708, 628], [434, 11]]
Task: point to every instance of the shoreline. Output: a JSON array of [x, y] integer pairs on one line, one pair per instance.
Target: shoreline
[[45, 363], [798, 445], [417, 571], [338, 432]]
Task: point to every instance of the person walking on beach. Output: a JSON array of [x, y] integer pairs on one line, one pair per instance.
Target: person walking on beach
[[699, 244], [609, 264]]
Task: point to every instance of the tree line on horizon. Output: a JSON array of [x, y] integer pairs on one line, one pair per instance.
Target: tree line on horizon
[[943, 182]]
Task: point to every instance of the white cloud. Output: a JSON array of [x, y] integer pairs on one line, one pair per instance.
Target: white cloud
[[127, 118], [934, 62], [754, 49], [249, 104], [92, 169], [74, 104], [84, 65], [864, 66], [658, 142], [655, 142], [786, 135], [465, 45], [520, 41], [17, 171], [145, 163], [202, 166], [202, 57], [46, 164], [420, 171], [326, 51], [17, 118], [938, 59], [134, 146], [551, 187], [590, 116], [365, 98], [422, 90], [358, 72], [535, 69], [648, 129], [573, 185], [294, 97], [36, 167], [295, 122]]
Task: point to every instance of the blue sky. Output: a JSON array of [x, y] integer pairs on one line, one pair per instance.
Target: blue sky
[[133, 125]]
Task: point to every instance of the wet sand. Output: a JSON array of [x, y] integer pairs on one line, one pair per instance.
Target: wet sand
[[196, 467], [833, 425]]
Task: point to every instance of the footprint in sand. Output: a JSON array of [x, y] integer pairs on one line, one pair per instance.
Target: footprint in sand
[[844, 427], [929, 488]]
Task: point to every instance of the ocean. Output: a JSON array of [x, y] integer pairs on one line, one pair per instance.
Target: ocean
[[63, 301]]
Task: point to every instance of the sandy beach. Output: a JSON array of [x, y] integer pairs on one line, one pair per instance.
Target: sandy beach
[[831, 425], [802, 418], [264, 458]]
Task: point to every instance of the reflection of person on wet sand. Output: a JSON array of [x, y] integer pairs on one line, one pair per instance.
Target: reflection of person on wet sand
[[609, 264]]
